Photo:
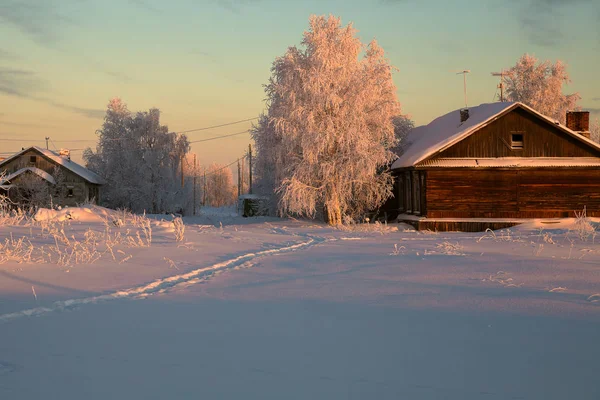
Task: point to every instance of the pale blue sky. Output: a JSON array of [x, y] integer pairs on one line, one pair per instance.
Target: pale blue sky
[[204, 63]]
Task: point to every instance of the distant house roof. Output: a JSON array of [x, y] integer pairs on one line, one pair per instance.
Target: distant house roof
[[72, 166], [41, 173], [425, 141]]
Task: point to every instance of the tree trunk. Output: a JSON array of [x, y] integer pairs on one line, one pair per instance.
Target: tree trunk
[[333, 212]]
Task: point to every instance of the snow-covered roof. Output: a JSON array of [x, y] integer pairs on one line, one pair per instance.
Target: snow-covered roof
[[503, 162], [39, 172], [72, 166], [425, 141]]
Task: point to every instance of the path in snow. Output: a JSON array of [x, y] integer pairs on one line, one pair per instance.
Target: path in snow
[[164, 284]]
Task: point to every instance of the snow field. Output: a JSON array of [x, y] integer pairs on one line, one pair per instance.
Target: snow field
[[263, 308]]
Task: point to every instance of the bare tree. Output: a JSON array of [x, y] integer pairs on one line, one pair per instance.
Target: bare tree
[[328, 130]]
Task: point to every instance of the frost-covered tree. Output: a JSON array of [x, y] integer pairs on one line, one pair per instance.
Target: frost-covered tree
[[220, 190], [60, 187], [31, 191], [402, 125], [595, 131], [140, 160], [328, 129], [540, 85]]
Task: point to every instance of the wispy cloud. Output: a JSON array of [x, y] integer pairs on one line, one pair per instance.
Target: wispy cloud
[[543, 20], [41, 20], [27, 85], [103, 68], [235, 6], [594, 110], [18, 82], [595, 98], [86, 112], [37, 19], [144, 5], [25, 124]]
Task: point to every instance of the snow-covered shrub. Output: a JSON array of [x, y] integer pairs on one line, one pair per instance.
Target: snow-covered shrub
[[449, 248], [179, 229], [583, 226], [18, 250]]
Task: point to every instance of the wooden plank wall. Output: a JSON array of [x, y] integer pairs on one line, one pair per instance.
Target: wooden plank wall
[[512, 193], [540, 139]]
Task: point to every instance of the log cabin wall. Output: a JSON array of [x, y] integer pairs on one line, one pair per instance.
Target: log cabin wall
[[512, 193], [540, 139], [410, 191]]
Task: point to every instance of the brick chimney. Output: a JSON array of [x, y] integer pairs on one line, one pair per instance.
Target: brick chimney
[[464, 115], [579, 121]]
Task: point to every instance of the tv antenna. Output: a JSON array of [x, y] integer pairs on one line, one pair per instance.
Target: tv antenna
[[464, 74], [500, 86]]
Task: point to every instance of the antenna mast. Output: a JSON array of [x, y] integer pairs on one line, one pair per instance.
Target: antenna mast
[[500, 86], [464, 74]]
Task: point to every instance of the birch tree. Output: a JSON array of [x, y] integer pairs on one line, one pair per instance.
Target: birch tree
[[328, 131], [540, 86]]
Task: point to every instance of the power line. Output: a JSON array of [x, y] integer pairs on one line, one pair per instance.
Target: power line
[[119, 139], [218, 126], [21, 140], [220, 137], [226, 166]]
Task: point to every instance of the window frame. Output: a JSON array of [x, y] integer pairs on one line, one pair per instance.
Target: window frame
[[517, 144]]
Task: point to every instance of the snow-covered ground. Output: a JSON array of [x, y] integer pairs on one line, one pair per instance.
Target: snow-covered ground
[[111, 306]]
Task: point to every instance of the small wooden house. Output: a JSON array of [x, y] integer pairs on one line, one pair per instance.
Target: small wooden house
[[68, 183], [493, 165]]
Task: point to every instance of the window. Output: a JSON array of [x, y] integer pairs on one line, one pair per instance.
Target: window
[[32, 159], [517, 141], [69, 192]]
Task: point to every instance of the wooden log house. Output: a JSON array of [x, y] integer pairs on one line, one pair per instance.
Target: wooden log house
[[493, 165], [78, 184]]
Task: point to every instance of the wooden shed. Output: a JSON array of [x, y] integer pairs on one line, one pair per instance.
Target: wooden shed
[[68, 182], [493, 165]]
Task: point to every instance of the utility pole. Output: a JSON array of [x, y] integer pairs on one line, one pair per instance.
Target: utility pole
[[239, 179], [204, 191], [500, 86], [195, 173], [464, 74], [47, 138], [250, 169], [182, 172], [242, 180]]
